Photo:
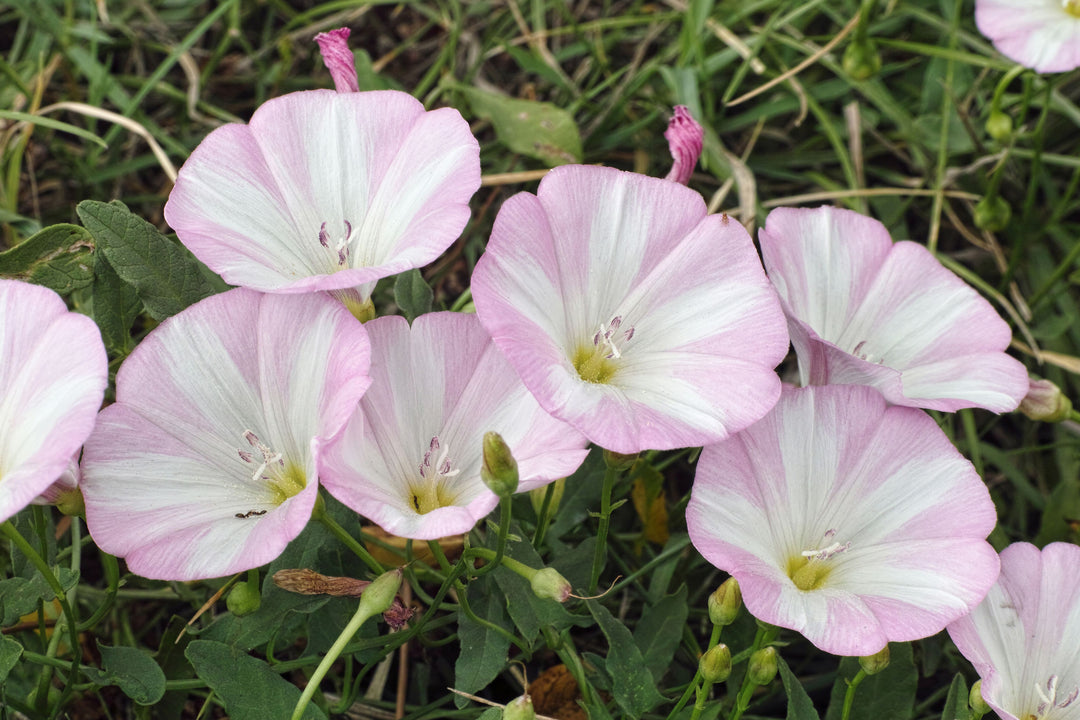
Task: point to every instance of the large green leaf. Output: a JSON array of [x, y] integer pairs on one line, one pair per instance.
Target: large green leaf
[[799, 704], [530, 613], [888, 694], [633, 685], [116, 305], [247, 686], [537, 129], [412, 294], [58, 257], [956, 704], [166, 277], [483, 650], [132, 670], [10, 650], [660, 630]]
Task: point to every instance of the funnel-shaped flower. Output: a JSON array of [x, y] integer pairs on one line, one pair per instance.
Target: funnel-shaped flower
[[53, 372], [850, 521], [864, 311], [410, 457], [206, 464], [1040, 34], [327, 191], [629, 312], [1023, 638]]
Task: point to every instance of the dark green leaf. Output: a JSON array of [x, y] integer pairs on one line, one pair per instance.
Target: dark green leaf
[[58, 257], [116, 305], [537, 129], [492, 713], [956, 704], [20, 596], [10, 650], [799, 704], [889, 694], [659, 632], [483, 650], [634, 689], [166, 277], [247, 686], [412, 294], [132, 670], [529, 612]]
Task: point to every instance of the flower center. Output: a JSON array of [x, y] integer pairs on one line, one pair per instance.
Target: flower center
[[810, 568], [284, 479], [1072, 7], [596, 363], [432, 490], [340, 246], [1049, 699]]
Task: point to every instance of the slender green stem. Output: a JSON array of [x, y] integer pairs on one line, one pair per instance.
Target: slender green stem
[[508, 562], [544, 518], [348, 540], [1003, 84], [601, 535], [849, 696], [504, 530]]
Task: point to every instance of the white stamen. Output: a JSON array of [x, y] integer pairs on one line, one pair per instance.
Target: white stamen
[[269, 457], [828, 551], [606, 336], [341, 247]]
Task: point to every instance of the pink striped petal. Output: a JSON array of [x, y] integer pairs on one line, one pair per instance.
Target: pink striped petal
[[1040, 34], [899, 514]]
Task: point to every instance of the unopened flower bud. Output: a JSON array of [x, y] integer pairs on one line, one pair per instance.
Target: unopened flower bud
[[380, 594], [999, 126], [548, 583], [975, 699], [618, 461], [1045, 402], [861, 59], [685, 139], [992, 213], [243, 599], [763, 666], [339, 59], [715, 665], [537, 495], [520, 708], [70, 502], [725, 603], [873, 664], [499, 470]]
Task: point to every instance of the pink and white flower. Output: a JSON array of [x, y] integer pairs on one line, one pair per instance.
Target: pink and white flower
[[865, 311], [1023, 638], [629, 312], [327, 191], [1043, 35], [410, 457], [53, 372], [850, 521], [206, 465]]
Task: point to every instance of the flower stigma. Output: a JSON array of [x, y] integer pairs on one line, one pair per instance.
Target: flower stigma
[[596, 364], [1049, 699], [340, 248], [810, 568], [431, 491], [284, 479]]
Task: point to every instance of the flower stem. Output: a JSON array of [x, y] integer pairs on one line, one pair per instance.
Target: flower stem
[[610, 474], [544, 519], [849, 696], [504, 530], [348, 540]]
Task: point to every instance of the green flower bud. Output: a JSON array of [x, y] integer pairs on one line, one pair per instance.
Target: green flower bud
[[975, 699], [548, 583], [380, 594], [861, 59], [763, 666], [715, 665], [992, 213], [520, 708], [499, 471], [1046, 402], [618, 461], [999, 126], [873, 664], [243, 599], [536, 496], [725, 603]]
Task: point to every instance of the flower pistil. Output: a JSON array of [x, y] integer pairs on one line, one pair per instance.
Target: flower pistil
[[284, 479], [595, 364], [431, 490], [809, 569]]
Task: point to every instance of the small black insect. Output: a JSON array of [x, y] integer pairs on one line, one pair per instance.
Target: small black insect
[[250, 513]]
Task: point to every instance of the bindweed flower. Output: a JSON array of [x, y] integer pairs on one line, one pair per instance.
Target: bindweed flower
[[864, 311], [206, 464], [853, 522], [1043, 35], [630, 313], [53, 372], [1023, 638], [410, 458], [327, 191]]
